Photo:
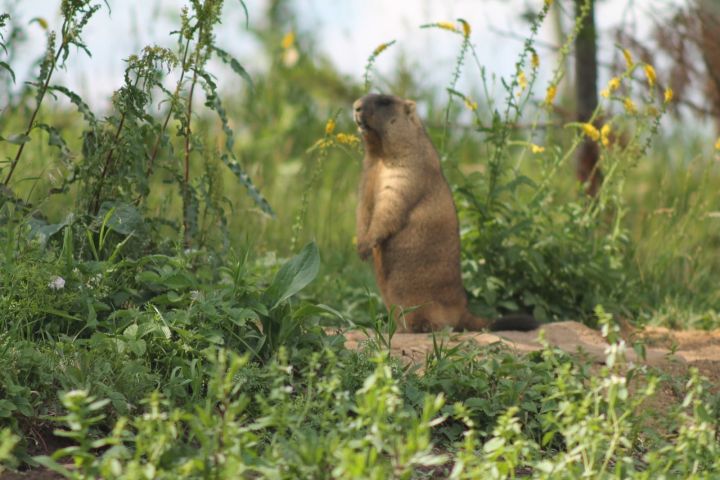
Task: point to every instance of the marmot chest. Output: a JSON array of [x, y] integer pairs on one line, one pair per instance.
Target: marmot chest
[[389, 185]]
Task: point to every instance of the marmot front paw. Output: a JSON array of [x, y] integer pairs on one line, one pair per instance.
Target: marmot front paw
[[364, 250]]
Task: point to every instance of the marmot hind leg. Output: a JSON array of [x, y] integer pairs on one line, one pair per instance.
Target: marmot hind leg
[[427, 318], [472, 323], [410, 322], [518, 322]]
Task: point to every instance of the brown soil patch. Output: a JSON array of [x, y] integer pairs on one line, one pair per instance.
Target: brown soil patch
[[671, 351]]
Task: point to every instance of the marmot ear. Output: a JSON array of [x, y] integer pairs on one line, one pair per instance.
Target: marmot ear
[[409, 107]]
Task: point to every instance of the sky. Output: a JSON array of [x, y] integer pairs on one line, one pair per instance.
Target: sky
[[347, 30]]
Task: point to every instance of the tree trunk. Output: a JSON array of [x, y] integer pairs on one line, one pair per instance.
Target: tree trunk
[[587, 168]]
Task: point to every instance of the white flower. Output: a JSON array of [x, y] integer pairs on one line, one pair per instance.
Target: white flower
[[57, 283]]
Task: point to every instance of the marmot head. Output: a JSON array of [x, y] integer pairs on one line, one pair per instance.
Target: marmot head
[[388, 124]]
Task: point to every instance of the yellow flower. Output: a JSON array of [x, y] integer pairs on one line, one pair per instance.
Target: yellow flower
[[717, 144], [550, 95], [668, 95], [535, 60], [522, 80], [288, 40], [590, 130], [629, 105], [628, 57], [536, 148], [548, 3], [605, 135], [650, 74], [470, 104], [381, 48], [347, 139], [447, 26], [466, 28], [614, 84], [321, 145], [330, 127]]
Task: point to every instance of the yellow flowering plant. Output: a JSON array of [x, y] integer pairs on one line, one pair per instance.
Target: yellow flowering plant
[[628, 58], [590, 131], [288, 40], [668, 95], [471, 105], [605, 135], [449, 26], [465, 27], [550, 95], [371, 61], [630, 106], [330, 127], [650, 74]]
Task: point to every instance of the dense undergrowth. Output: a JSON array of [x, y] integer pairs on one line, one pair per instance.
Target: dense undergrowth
[[159, 312]]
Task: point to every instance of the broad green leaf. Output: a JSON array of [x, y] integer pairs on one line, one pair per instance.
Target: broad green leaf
[[309, 310], [493, 444], [295, 275], [6, 408], [42, 231], [124, 219], [178, 281]]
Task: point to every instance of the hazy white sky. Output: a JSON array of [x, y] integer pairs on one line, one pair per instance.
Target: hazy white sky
[[347, 30]]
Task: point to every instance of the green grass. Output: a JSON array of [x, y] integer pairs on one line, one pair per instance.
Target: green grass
[[167, 325]]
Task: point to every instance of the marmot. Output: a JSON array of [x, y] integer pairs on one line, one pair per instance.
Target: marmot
[[406, 218]]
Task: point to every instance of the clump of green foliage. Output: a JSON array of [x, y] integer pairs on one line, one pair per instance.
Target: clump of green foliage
[[307, 420]]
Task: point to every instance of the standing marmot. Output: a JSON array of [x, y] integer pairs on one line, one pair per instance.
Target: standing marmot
[[406, 218]]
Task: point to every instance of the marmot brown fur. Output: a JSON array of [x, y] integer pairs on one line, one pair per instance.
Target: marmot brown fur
[[407, 219]]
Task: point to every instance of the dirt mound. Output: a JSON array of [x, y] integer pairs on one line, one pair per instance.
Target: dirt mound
[[662, 345]]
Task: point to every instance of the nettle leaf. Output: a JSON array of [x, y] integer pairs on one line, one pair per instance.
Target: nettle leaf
[[235, 65], [76, 100], [54, 138], [295, 275], [213, 102], [41, 231]]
